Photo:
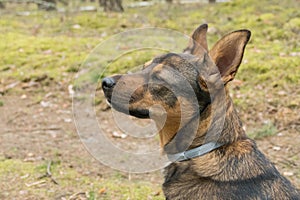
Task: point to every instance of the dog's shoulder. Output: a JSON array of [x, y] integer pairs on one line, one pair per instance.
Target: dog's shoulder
[[240, 169]]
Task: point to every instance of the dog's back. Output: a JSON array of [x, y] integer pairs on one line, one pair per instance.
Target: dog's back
[[228, 173]]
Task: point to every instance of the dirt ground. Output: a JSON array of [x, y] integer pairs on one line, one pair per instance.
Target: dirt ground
[[38, 126]]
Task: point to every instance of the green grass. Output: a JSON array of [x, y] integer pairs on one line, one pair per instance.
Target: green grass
[[266, 130], [48, 43], [70, 181], [27, 57]]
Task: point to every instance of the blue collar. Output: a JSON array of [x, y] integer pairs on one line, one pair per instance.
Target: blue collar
[[193, 153]]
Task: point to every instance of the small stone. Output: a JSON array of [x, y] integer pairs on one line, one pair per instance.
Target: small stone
[[276, 148], [30, 154], [115, 134], [23, 192], [280, 134], [45, 104], [288, 173], [68, 120], [76, 26]]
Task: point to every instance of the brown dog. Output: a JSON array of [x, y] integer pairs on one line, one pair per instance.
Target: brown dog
[[201, 131]]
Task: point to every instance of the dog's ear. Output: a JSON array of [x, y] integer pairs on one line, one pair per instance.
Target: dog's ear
[[228, 52], [198, 43]]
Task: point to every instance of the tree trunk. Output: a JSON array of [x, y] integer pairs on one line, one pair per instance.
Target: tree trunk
[[47, 5], [2, 6], [64, 2], [211, 1], [111, 5]]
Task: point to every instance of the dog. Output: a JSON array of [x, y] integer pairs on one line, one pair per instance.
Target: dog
[[186, 94]]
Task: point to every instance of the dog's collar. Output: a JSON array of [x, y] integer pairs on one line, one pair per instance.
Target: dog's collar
[[193, 153]]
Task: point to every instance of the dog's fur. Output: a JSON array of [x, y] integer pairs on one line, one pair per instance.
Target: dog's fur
[[237, 169]]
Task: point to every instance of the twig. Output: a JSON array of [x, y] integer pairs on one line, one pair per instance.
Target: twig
[[49, 174], [76, 194], [35, 183], [33, 129], [16, 115], [48, 168], [33, 103]]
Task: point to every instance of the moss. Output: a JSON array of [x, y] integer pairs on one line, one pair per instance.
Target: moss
[[118, 187], [293, 25], [28, 56], [265, 131], [267, 17]]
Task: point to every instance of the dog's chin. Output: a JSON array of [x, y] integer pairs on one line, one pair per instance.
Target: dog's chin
[[139, 113]]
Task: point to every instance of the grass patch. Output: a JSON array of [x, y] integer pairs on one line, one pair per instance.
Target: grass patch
[[50, 43], [94, 187], [266, 130]]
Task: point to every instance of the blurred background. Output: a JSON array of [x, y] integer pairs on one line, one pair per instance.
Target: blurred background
[[44, 42]]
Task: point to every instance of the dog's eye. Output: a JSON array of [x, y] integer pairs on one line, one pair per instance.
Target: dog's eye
[[156, 78], [163, 93]]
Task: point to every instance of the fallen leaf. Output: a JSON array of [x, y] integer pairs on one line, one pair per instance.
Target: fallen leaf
[[115, 134], [102, 191]]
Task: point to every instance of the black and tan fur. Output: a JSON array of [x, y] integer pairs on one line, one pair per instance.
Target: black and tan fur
[[236, 170]]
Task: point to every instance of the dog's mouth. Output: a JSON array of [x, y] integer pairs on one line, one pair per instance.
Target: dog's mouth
[[121, 100], [139, 113]]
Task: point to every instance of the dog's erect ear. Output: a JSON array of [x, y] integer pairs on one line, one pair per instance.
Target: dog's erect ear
[[228, 52], [199, 36], [198, 43]]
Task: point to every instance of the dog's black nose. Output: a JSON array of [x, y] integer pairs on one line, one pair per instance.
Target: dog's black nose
[[108, 83]]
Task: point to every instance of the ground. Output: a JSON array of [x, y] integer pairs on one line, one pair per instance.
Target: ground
[[41, 155]]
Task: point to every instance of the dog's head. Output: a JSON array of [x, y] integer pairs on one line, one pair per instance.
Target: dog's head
[[176, 85]]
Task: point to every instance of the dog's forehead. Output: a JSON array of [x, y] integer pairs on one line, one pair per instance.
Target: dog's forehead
[[174, 69], [173, 60]]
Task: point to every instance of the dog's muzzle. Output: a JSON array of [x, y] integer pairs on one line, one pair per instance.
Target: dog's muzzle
[[108, 83]]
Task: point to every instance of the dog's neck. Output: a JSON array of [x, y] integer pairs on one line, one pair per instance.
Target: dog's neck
[[232, 129]]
